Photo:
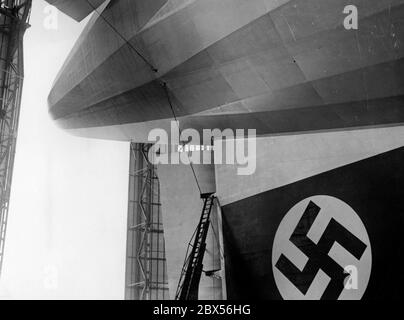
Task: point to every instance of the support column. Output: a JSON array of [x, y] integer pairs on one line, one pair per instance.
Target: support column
[[146, 271]]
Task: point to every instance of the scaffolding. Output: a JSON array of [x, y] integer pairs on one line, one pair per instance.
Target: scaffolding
[[146, 271], [14, 17]]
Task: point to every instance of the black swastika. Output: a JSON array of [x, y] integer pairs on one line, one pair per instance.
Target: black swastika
[[317, 254]]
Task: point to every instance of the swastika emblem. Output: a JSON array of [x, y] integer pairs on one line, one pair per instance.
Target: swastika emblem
[[316, 242]]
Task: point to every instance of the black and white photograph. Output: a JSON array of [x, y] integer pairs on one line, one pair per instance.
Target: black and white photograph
[[201, 156]]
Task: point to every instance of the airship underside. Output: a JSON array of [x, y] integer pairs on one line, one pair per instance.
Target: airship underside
[[276, 66]]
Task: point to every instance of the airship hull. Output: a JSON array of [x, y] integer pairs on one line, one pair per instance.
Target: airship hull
[[273, 66]]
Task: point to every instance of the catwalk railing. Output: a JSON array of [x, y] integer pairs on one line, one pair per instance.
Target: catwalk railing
[[14, 17]]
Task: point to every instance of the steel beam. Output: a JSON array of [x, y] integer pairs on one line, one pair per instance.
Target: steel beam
[[146, 271], [14, 17]]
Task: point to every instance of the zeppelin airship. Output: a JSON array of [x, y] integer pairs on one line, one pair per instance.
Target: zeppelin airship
[[322, 84]]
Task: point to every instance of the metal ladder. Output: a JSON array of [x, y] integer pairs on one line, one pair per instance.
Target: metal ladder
[[188, 285]]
